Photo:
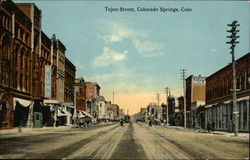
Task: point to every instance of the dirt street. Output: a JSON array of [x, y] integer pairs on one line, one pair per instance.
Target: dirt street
[[132, 141]]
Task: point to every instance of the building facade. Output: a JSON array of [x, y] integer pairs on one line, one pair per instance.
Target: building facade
[[32, 69], [115, 108], [179, 115], [219, 108], [172, 105], [92, 92], [154, 113], [195, 92], [102, 110], [110, 111], [23, 57], [143, 112], [80, 94]]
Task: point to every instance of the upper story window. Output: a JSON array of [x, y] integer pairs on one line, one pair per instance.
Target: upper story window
[[91, 93]]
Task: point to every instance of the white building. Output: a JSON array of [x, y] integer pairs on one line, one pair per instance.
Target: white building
[[102, 108]]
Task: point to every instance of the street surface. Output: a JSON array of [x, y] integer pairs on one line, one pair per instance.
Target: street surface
[[133, 141]]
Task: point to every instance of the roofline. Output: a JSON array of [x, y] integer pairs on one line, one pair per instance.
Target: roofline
[[244, 56]]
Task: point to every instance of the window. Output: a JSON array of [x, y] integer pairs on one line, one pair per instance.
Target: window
[[91, 92]]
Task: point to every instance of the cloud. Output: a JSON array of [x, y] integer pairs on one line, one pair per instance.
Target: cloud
[[108, 57], [213, 50], [146, 46], [153, 55], [117, 32], [120, 57]]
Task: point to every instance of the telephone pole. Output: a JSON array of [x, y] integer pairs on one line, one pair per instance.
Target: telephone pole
[[183, 71], [167, 90], [233, 43]]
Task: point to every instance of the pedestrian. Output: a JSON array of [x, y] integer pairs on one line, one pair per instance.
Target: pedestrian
[[57, 122], [213, 126], [150, 123], [121, 122], [230, 127], [20, 126], [209, 126]]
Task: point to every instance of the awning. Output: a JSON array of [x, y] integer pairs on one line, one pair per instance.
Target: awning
[[86, 114], [63, 113], [50, 101], [243, 98], [80, 114], [228, 101], [23, 102], [70, 105], [207, 106]]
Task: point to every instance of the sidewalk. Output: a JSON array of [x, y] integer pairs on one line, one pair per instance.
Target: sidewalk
[[205, 131], [25, 130], [15, 131]]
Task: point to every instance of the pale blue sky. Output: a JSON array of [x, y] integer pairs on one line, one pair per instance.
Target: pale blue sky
[[140, 52]]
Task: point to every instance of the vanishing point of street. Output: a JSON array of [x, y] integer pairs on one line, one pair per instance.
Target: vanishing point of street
[[112, 141]]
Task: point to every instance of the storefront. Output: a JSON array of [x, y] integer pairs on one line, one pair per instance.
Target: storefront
[[60, 113], [22, 112], [222, 114]]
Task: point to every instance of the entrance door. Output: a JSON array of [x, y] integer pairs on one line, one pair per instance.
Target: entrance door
[[5, 114], [38, 119]]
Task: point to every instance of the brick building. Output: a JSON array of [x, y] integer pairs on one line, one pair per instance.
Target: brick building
[[80, 94], [28, 58], [92, 92], [218, 106], [195, 92], [22, 58], [70, 71]]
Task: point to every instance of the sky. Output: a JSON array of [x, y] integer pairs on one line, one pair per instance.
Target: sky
[[137, 54]]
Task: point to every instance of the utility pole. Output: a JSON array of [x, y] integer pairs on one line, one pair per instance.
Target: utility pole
[[75, 114], [158, 98], [233, 43], [167, 90], [183, 71]]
